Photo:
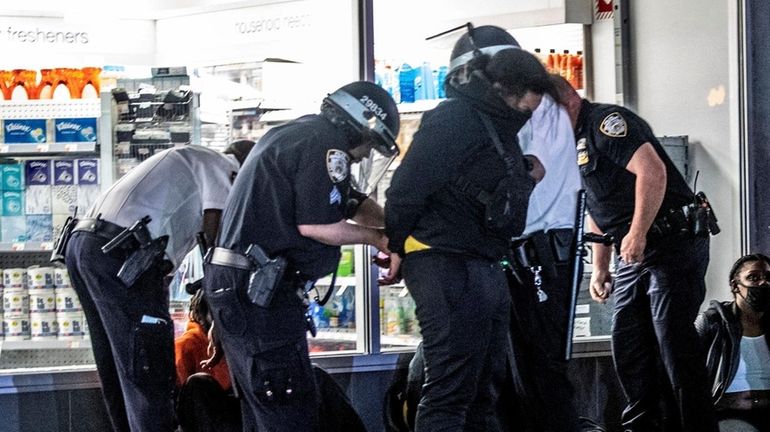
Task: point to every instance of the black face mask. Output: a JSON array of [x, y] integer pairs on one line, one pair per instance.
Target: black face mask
[[758, 297]]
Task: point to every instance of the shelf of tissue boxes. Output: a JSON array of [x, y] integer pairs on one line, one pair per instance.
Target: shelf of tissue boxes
[[47, 126]]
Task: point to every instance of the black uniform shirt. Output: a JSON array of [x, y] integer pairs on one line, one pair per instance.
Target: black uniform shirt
[[607, 136], [299, 174], [424, 202]]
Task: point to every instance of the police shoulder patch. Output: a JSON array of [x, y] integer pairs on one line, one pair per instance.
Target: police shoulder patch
[[337, 165], [614, 125]]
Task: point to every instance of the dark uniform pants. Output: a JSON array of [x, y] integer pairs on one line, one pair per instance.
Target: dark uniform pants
[[135, 360], [539, 333], [463, 307], [266, 352], [656, 303]]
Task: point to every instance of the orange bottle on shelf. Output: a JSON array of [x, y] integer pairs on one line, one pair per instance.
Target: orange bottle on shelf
[[46, 85], [578, 70], [61, 88], [564, 64], [552, 62], [24, 84], [75, 82], [91, 82], [6, 79]]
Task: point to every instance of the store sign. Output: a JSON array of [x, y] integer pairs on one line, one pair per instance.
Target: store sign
[[56, 35]]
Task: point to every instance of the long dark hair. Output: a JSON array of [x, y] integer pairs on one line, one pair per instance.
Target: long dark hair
[[517, 71]]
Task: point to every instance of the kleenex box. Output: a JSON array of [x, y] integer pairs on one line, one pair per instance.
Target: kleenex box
[[24, 131], [13, 229], [39, 228], [88, 171], [38, 172], [13, 177], [64, 199], [64, 172], [37, 200], [13, 203], [75, 130]]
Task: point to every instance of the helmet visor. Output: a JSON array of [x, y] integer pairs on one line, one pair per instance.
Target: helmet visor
[[366, 174]]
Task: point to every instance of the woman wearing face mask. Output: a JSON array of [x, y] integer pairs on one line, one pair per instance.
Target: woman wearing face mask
[[736, 336]]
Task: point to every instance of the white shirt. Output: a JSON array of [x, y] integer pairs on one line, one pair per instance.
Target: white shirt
[[173, 187], [753, 367], [549, 136]]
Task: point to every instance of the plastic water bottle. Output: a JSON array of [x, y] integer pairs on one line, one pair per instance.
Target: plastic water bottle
[[440, 78], [406, 83], [428, 90]]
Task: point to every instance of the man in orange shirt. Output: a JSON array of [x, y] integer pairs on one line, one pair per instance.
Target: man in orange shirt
[[205, 401]]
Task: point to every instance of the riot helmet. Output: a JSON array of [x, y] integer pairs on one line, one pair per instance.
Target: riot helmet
[[367, 111], [486, 39], [370, 111]]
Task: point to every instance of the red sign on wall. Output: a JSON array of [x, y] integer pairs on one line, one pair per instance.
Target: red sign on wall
[[604, 9]]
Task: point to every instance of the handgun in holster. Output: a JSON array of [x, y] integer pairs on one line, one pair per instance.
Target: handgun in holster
[[60, 247], [148, 253], [266, 276], [703, 221]]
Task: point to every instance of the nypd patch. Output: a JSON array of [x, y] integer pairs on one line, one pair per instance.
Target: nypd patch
[[614, 125], [337, 162]]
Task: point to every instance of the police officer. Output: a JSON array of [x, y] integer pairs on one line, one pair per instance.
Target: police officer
[[293, 200], [178, 192], [442, 217], [635, 193], [542, 286]]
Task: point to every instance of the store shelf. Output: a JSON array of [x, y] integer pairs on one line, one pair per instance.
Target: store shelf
[[337, 334], [47, 149], [341, 281], [400, 340], [44, 345], [419, 106], [26, 247], [50, 108]]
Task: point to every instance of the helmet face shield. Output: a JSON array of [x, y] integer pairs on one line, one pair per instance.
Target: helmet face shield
[[367, 173], [369, 118]]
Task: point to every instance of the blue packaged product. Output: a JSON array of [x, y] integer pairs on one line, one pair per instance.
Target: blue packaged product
[[13, 229], [13, 203], [39, 228], [88, 171], [13, 177], [64, 172], [24, 131], [38, 172], [406, 83], [75, 130]]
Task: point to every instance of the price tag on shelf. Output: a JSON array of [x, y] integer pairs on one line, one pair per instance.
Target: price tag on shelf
[[18, 246], [4, 148], [46, 246], [43, 148], [70, 147], [404, 292], [75, 344]]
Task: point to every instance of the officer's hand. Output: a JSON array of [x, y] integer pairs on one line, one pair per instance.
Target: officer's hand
[[601, 285], [538, 170], [214, 350], [394, 271], [382, 242], [632, 248]]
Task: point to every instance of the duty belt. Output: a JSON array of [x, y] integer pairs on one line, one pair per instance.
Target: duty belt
[[102, 228], [229, 258]]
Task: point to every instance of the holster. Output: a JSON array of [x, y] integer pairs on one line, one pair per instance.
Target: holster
[[60, 246], [142, 259], [542, 249], [265, 273]]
